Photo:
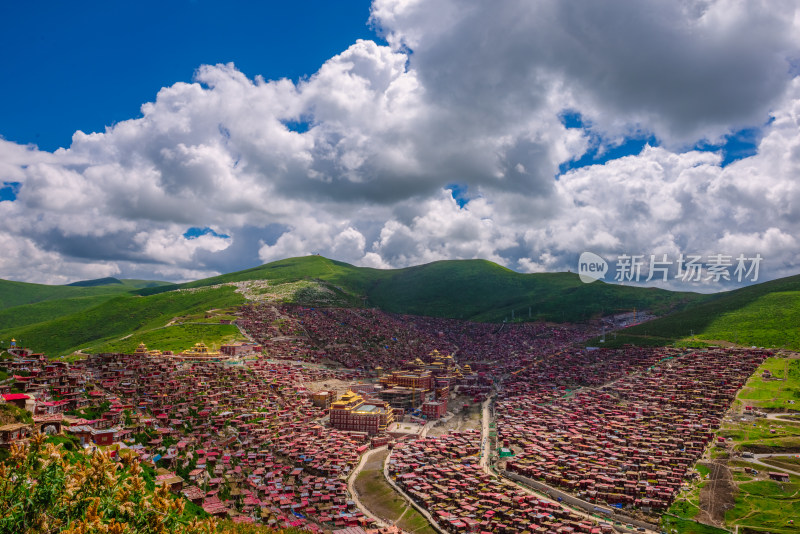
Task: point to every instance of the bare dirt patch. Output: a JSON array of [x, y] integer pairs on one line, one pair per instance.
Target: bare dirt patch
[[339, 386], [467, 417], [717, 495]]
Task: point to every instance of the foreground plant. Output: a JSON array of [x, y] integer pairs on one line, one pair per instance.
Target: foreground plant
[[45, 490]]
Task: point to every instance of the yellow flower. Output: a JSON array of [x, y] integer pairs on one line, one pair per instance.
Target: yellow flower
[[37, 439], [19, 451], [92, 515]]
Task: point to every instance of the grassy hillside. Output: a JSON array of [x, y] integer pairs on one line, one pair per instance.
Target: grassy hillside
[[780, 393], [117, 317], [478, 290], [764, 315], [483, 291], [176, 338], [20, 293], [348, 278], [469, 289], [39, 312], [111, 281], [42, 303]]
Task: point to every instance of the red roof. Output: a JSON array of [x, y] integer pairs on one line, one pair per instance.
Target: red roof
[[14, 396]]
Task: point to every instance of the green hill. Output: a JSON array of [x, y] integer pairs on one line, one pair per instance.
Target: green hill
[[480, 290], [28, 314], [127, 283], [20, 293], [764, 315], [177, 337], [61, 319], [97, 282], [23, 304], [118, 317], [354, 280], [468, 289]]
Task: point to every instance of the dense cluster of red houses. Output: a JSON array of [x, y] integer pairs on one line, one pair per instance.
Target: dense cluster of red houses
[[632, 441], [442, 474], [253, 432], [245, 436], [369, 339], [249, 440]]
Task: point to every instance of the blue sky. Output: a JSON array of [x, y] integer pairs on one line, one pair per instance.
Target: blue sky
[[524, 132], [733, 146], [85, 65]]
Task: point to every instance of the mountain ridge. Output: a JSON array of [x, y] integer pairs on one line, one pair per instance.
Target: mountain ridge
[[476, 290]]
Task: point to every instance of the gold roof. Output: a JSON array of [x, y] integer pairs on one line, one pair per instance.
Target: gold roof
[[347, 398], [200, 349]]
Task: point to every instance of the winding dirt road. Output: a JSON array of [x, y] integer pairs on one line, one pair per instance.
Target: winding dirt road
[[352, 490]]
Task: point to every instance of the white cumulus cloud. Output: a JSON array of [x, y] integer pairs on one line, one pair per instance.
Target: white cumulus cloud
[[447, 143]]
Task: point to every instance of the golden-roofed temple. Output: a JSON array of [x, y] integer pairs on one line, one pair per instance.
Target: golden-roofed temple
[[352, 412], [200, 352], [141, 350]]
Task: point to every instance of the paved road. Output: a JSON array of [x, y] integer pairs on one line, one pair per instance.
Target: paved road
[[783, 414], [486, 417], [756, 459]]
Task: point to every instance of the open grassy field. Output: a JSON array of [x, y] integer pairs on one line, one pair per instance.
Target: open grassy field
[[767, 505], [780, 392], [759, 431], [381, 499], [679, 525], [687, 503], [789, 463]]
